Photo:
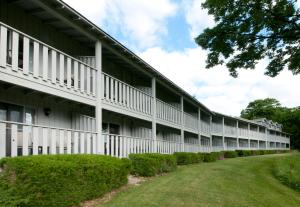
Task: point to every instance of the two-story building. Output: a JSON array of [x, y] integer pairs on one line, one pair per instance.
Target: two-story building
[[66, 86]]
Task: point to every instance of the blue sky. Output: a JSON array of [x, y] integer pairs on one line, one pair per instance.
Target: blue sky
[[162, 32]]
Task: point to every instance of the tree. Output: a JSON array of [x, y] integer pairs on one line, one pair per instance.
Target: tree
[[261, 108], [272, 109], [247, 31]]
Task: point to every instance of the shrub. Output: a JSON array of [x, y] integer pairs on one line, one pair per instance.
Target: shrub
[[218, 155], [152, 164], [230, 154], [209, 157], [59, 180], [186, 158]]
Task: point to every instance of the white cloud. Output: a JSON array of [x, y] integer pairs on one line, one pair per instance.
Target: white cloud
[[196, 17], [141, 22], [215, 88]]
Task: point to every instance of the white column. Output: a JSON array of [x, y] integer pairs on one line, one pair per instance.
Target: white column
[[210, 133], [237, 135], [249, 136], [199, 127], [182, 123], [154, 114], [98, 57], [223, 133]]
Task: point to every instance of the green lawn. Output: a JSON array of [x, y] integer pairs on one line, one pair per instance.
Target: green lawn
[[233, 182]]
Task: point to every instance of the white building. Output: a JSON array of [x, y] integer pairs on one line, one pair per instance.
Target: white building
[[66, 86]]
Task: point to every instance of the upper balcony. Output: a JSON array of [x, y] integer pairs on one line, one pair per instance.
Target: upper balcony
[[31, 63]]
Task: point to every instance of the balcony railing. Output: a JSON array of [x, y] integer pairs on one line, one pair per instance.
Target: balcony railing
[[192, 147], [191, 122], [230, 131], [217, 128], [121, 94], [205, 128], [122, 146], [243, 132], [24, 139], [168, 147], [167, 112], [31, 59]]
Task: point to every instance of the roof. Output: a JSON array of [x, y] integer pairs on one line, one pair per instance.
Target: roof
[[63, 11]]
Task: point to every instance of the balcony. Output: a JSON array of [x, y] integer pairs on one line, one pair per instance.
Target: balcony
[[230, 131], [217, 129], [120, 96], [168, 114], [28, 62], [24, 139], [205, 128], [191, 122]]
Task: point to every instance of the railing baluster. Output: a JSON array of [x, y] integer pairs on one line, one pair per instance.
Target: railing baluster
[[61, 141], [94, 143], [36, 57], [15, 51], [75, 75], [69, 142], [53, 149], [14, 140], [82, 143], [53, 66], [26, 133], [45, 63], [81, 69], [45, 140], [35, 141], [76, 146], [88, 80], [3, 45], [69, 73], [61, 69], [88, 143], [25, 55]]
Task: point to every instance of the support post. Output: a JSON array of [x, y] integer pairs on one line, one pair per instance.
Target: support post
[[237, 135], [182, 123], [98, 57], [210, 133], [223, 133], [199, 128], [249, 146], [153, 85]]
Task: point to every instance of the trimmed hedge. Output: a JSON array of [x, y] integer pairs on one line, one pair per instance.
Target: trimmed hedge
[[152, 163], [209, 157], [186, 158], [230, 154], [245, 153], [59, 180]]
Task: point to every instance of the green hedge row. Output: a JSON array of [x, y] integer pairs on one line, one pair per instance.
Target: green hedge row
[[59, 180], [152, 164], [245, 153]]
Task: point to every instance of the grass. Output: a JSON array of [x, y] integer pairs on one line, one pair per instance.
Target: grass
[[287, 170], [233, 182]]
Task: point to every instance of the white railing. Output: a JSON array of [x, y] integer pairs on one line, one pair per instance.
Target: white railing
[[121, 94], [243, 132], [167, 112], [205, 128], [24, 139], [190, 121], [36, 61], [253, 134], [217, 148], [217, 128], [90, 60], [122, 146], [192, 147], [230, 131], [167, 147]]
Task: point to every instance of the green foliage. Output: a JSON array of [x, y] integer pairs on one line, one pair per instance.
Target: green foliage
[[272, 109], [218, 155], [287, 170], [186, 158], [59, 180], [261, 108], [209, 157], [249, 31], [230, 154], [152, 164]]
